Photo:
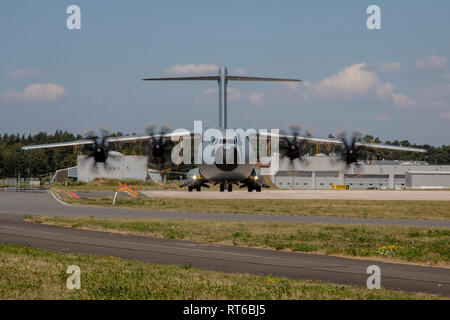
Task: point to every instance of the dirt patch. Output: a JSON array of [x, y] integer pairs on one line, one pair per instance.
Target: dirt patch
[[104, 182]]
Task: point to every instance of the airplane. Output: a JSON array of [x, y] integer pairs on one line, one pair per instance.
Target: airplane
[[225, 169]]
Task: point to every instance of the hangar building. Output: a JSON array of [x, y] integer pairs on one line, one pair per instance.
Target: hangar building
[[118, 167], [321, 172], [427, 179]]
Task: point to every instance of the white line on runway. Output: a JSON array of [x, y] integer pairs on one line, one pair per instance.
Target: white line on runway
[[60, 201]]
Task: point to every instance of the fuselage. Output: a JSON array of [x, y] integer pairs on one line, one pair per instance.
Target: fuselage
[[228, 159]]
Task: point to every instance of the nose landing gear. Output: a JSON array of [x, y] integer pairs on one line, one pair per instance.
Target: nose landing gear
[[224, 186], [257, 188]]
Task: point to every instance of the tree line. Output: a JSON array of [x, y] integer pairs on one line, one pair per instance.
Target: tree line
[[35, 163]]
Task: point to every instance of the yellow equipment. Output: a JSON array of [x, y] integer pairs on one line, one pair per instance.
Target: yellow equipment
[[340, 187]]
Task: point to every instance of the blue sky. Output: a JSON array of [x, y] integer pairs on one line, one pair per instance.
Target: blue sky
[[393, 83]]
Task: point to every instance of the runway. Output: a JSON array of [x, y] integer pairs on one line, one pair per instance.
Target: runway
[[432, 195], [13, 206]]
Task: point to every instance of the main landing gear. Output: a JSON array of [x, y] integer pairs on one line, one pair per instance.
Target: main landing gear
[[229, 187], [198, 188]]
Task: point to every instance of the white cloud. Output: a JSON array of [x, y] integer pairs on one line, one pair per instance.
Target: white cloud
[[437, 92], [205, 94], [353, 83], [213, 93], [256, 97], [385, 91], [25, 74], [235, 94], [348, 83], [182, 69], [291, 85], [432, 62], [201, 69], [384, 67], [435, 96], [37, 92], [401, 100], [239, 72]]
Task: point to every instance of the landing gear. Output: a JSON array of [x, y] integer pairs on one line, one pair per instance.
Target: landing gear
[[257, 189], [190, 189], [199, 189], [223, 186]]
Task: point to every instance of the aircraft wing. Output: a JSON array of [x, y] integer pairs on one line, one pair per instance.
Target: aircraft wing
[[59, 144], [179, 133], [125, 139], [328, 141]]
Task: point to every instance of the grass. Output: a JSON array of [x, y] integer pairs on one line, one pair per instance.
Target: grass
[[112, 184], [420, 245], [399, 209], [28, 273]]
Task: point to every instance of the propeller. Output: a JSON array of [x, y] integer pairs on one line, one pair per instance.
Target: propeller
[[157, 148], [99, 149], [295, 147], [350, 152]]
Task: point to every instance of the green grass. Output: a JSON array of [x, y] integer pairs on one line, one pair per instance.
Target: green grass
[[420, 245], [28, 273], [438, 210]]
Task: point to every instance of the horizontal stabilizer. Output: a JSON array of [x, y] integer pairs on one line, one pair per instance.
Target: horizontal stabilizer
[[185, 78], [241, 78], [228, 77]]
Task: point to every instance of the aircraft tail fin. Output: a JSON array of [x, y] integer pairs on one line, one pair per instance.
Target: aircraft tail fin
[[222, 79]]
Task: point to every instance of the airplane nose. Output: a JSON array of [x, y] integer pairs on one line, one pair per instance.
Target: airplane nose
[[226, 158]]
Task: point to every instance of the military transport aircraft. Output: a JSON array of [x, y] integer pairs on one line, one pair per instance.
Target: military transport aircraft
[[230, 165]]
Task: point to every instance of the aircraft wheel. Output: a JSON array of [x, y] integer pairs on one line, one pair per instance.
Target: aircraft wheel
[[222, 188], [190, 189], [258, 189], [199, 189], [230, 187], [250, 189]]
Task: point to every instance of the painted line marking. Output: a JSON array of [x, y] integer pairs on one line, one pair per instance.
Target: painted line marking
[[74, 195], [65, 192], [60, 201]]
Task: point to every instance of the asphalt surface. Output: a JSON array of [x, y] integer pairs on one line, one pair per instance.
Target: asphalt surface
[[42, 203], [213, 257], [431, 195]]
